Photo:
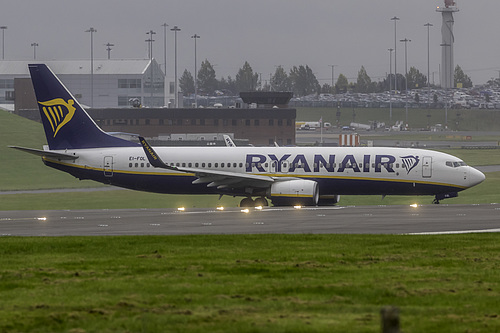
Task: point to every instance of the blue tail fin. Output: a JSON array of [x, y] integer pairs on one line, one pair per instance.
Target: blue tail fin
[[67, 125]]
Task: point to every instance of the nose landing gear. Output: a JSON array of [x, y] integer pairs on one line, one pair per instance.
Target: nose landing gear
[[443, 196]]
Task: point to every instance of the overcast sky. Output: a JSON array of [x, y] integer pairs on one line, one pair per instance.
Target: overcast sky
[[266, 33]]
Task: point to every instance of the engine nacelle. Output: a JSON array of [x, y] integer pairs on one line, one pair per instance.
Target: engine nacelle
[[328, 200], [294, 192]]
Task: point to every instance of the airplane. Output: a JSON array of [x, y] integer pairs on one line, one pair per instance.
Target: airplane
[[288, 176]]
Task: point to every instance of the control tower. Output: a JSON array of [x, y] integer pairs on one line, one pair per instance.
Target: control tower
[[447, 66]]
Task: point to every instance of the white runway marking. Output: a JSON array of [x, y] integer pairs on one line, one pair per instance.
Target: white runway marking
[[455, 232]]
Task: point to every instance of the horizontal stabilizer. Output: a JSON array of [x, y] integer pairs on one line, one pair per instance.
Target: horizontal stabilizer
[[46, 153]]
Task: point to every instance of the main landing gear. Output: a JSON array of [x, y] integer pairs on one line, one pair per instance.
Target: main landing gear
[[249, 202]]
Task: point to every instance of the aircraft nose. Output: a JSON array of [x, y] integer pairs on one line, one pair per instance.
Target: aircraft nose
[[475, 177]]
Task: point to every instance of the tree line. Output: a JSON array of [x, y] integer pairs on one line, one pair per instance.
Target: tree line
[[302, 81]]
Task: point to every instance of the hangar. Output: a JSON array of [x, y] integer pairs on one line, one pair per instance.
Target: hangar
[[115, 82]]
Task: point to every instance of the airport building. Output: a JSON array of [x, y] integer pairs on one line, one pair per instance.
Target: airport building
[[115, 83]]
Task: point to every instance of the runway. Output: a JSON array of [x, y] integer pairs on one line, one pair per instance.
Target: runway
[[426, 219]]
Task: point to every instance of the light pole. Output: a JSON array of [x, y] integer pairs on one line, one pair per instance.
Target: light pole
[[108, 48], [164, 25], [406, 40], [34, 50], [91, 30], [395, 19], [165, 86], [428, 25], [3, 40], [333, 76], [175, 29], [195, 37], [150, 40], [390, 83]]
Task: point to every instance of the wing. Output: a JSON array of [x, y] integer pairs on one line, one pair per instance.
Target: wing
[[213, 178], [46, 153]]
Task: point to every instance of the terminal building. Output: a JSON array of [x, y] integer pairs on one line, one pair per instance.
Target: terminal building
[[262, 119]]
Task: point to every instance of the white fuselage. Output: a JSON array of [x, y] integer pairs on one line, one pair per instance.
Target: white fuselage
[[342, 170]]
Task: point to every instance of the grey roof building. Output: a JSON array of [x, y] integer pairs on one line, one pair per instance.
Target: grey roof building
[[115, 82]]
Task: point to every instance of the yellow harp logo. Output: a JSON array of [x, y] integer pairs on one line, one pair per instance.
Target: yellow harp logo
[[58, 112]]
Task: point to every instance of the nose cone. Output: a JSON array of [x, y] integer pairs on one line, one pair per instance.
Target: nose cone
[[475, 177]]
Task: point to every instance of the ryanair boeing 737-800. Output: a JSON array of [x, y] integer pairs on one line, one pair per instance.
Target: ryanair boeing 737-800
[[285, 175]]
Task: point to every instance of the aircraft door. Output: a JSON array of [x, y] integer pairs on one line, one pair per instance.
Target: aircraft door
[[108, 166], [427, 167]]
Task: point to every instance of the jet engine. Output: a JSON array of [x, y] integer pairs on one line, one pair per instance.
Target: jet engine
[[294, 192], [328, 200]]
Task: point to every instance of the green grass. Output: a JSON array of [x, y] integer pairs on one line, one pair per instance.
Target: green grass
[[249, 283]]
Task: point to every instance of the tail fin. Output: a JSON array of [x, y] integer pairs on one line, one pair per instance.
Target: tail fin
[[67, 125]]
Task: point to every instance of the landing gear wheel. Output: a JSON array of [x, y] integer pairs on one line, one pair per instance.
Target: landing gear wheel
[[261, 202], [247, 202]]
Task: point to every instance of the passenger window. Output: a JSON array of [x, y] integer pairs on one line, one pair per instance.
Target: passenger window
[[130, 165], [222, 165], [183, 164], [137, 165], [142, 165], [196, 165], [216, 165], [148, 165], [209, 165], [177, 164], [241, 165], [190, 164]]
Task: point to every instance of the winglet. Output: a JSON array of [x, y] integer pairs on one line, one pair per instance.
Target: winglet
[[228, 141], [152, 156]]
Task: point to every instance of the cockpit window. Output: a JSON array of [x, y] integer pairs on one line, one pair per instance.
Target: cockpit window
[[455, 164]]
